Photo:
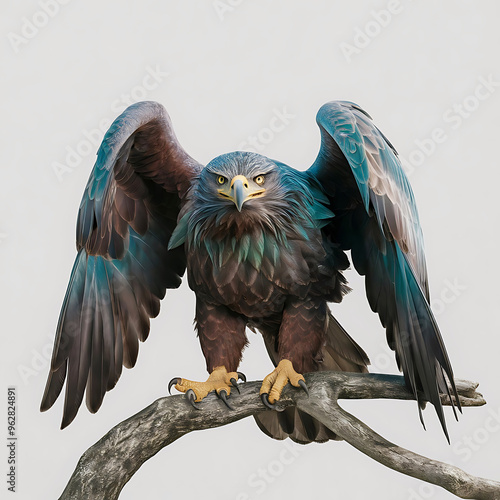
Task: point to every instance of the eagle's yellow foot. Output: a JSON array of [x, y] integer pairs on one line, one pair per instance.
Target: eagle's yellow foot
[[273, 384], [220, 381]]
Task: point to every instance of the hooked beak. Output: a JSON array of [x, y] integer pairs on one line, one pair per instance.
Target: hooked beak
[[239, 191], [239, 188]]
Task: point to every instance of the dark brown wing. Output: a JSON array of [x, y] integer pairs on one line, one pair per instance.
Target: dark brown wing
[[376, 218], [128, 212]]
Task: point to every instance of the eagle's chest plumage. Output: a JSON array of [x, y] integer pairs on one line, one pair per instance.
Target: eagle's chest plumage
[[254, 273]]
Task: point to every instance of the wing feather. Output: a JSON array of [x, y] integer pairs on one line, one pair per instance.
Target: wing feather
[[377, 219], [128, 213]]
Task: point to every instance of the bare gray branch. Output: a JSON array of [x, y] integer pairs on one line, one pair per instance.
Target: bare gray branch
[[104, 469]]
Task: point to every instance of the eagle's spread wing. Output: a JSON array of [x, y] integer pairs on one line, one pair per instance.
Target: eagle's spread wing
[[376, 217], [127, 214]]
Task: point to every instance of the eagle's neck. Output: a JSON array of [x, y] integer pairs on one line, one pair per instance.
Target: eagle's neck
[[270, 224], [249, 246]]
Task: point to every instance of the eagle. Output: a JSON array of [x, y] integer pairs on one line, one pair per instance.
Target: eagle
[[264, 247]]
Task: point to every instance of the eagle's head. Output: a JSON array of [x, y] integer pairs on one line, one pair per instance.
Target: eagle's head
[[236, 179], [240, 193]]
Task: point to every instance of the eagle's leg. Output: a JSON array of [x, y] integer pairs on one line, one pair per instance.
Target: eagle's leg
[[300, 340], [222, 338]]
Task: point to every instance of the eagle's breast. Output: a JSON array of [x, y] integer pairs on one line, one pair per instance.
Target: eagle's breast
[[253, 273]]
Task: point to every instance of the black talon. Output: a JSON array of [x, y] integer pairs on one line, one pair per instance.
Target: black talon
[[235, 385], [191, 397], [304, 386], [265, 399], [241, 376], [223, 395], [174, 381]]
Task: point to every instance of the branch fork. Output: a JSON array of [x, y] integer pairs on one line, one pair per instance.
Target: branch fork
[[105, 468]]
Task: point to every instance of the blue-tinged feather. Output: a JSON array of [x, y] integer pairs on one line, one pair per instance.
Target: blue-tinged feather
[[180, 233], [255, 256], [194, 235], [301, 231], [321, 214], [259, 243], [210, 249], [350, 141], [244, 247], [271, 250], [92, 189]]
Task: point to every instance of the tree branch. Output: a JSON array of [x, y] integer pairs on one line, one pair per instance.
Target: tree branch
[[104, 469]]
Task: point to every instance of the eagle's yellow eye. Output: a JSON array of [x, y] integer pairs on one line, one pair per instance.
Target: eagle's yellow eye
[[259, 180], [221, 179]]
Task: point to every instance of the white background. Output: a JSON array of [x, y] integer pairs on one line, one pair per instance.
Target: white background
[[230, 65]]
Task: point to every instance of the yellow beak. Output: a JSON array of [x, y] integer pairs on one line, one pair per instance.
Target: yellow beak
[[239, 191]]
